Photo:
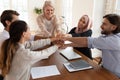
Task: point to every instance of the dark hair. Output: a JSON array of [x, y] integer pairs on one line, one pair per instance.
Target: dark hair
[[16, 30], [115, 20], [10, 46], [7, 15]]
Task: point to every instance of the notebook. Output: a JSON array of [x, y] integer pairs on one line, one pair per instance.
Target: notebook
[[77, 65], [69, 53]]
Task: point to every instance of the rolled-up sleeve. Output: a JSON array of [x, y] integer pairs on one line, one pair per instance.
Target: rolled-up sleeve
[[90, 42], [103, 42]]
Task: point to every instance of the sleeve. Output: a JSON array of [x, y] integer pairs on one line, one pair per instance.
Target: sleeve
[[103, 43], [37, 44], [41, 25], [35, 56], [57, 24], [72, 32], [32, 37]]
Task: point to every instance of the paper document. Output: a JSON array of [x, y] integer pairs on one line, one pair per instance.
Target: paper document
[[44, 71], [69, 53], [77, 65]]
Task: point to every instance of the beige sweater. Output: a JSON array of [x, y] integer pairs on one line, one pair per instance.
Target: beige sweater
[[25, 58], [48, 28]]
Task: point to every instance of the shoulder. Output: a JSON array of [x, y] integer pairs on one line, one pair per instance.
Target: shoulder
[[73, 28], [41, 16], [89, 31]]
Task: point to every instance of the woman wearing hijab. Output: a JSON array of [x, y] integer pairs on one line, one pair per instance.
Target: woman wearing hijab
[[82, 30], [48, 23]]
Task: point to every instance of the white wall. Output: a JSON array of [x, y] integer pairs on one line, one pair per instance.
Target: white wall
[[94, 8], [98, 12], [32, 15], [81, 7]]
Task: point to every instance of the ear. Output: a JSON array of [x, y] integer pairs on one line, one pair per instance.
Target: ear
[[24, 33], [114, 27], [8, 22]]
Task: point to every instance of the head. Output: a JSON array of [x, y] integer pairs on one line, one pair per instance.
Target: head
[[7, 17], [18, 30], [110, 24], [84, 23], [48, 10]]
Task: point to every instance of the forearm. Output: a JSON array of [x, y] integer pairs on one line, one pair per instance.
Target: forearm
[[78, 41]]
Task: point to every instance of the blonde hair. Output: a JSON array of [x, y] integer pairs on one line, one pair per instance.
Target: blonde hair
[[7, 52], [48, 3]]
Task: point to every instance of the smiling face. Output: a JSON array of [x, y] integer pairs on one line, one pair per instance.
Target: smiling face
[[48, 12], [27, 34], [83, 22], [107, 27]]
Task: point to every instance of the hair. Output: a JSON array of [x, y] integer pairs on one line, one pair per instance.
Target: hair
[[48, 3], [115, 20], [88, 25], [10, 46], [7, 15]]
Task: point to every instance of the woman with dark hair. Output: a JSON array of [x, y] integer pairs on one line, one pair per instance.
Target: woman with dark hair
[[17, 57]]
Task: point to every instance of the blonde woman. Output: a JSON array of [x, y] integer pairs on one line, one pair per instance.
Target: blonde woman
[[17, 55], [82, 30], [48, 23]]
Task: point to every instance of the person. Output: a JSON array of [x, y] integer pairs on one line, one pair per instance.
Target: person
[[6, 18], [16, 50], [108, 43], [48, 23], [82, 30]]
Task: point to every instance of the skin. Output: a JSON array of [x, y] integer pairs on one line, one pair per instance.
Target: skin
[[107, 29], [15, 17], [82, 22], [48, 12], [25, 36]]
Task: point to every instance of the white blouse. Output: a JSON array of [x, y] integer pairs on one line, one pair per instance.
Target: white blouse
[[24, 58]]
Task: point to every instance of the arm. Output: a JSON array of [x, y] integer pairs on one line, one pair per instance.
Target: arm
[[33, 45], [77, 41], [41, 25], [34, 56], [57, 25]]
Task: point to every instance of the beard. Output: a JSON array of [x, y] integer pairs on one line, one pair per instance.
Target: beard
[[105, 32]]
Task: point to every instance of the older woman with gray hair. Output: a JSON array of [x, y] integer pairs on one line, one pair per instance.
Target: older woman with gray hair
[[48, 23]]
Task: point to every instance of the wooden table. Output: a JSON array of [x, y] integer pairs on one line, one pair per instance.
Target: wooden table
[[97, 73]]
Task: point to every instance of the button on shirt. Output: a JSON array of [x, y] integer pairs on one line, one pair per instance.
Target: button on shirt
[[110, 47]]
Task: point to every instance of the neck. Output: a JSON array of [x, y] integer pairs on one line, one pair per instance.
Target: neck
[[7, 29], [22, 41], [48, 18]]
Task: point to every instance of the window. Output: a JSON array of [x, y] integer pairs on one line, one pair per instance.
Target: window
[[67, 12], [18, 5], [112, 6], [117, 8]]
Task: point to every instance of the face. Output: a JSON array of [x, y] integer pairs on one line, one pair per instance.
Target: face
[[27, 34], [48, 12], [15, 17], [83, 22], [107, 27]]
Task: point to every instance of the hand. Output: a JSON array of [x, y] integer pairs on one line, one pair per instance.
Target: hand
[[59, 43]]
